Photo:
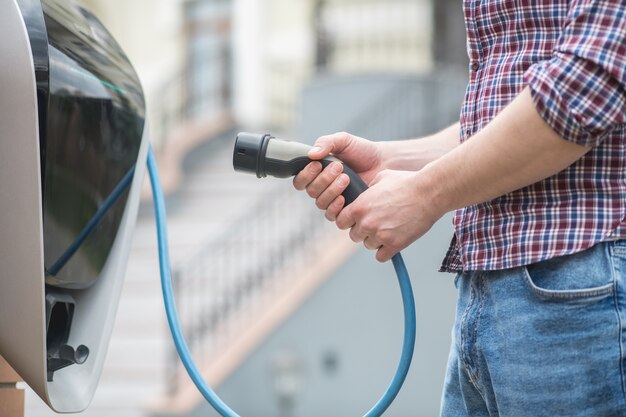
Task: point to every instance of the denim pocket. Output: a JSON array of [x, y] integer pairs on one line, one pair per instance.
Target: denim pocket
[[584, 275], [619, 248]]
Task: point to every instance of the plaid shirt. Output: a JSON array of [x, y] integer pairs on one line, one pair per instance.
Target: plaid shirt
[[572, 55]]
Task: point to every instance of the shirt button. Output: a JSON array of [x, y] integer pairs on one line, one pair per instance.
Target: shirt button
[[475, 66]]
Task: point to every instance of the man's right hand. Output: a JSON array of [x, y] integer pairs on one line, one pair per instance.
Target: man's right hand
[[326, 186]]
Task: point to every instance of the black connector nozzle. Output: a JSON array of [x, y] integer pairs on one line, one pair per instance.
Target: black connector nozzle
[[264, 155], [249, 152]]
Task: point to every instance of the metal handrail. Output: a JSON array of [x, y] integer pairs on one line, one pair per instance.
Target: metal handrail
[[224, 279]]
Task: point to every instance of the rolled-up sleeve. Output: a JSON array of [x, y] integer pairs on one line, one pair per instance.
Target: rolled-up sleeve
[[581, 91]]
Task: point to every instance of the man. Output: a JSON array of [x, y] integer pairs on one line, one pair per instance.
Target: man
[[536, 173]]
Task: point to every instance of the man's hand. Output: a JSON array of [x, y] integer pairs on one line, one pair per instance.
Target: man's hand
[[367, 159], [391, 214], [326, 186]]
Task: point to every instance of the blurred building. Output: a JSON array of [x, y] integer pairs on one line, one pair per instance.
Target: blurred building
[[372, 36], [291, 41], [203, 61]]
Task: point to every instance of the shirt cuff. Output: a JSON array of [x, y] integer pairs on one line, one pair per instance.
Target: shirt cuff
[[579, 100]]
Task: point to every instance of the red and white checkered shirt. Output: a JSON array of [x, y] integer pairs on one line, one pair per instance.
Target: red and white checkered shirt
[[572, 55]]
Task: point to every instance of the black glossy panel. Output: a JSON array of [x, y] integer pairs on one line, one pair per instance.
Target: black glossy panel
[[95, 122], [36, 28]]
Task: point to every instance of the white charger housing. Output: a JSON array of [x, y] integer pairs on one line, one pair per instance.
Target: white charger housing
[[26, 281]]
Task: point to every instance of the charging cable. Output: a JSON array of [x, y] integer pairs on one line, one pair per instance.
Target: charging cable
[[183, 350]]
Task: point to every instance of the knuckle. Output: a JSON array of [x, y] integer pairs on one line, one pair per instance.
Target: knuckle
[[314, 169], [357, 210], [342, 223], [330, 172], [347, 138], [387, 239], [312, 191], [339, 222], [326, 177], [368, 225], [334, 208], [330, 198], [341, 182], [343, 135], [298, 182], [321, 203]]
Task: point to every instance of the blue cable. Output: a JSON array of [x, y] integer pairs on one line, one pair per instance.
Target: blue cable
[[92, 223], [183, 350]]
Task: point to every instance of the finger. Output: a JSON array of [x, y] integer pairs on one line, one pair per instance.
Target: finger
[[371, 243], [316, 187], [333, 191], [308, 174], [334, 208], [385, 253], [357, 235], [345, 219]]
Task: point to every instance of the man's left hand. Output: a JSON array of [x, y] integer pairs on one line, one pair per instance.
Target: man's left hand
[[395, 211]]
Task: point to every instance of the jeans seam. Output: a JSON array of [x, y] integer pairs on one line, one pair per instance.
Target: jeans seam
[[619, 322], [466, 354], [481, 304], [462, 331], [621, 345], [474, 372]]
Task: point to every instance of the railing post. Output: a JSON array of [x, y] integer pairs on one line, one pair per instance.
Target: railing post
[[11, 397]]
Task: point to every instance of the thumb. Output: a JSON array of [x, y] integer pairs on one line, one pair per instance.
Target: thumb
[[325, 145], [319, 151]]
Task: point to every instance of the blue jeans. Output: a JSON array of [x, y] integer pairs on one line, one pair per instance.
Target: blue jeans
[[547, 340]]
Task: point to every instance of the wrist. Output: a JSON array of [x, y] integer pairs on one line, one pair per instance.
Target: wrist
[[431, 188], [384, 151], [405, 155]]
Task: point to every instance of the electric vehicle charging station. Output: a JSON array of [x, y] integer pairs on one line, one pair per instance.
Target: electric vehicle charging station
[[72, 157]]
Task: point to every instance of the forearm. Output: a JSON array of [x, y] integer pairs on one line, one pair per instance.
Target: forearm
[[414, 154], [515, 150]]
